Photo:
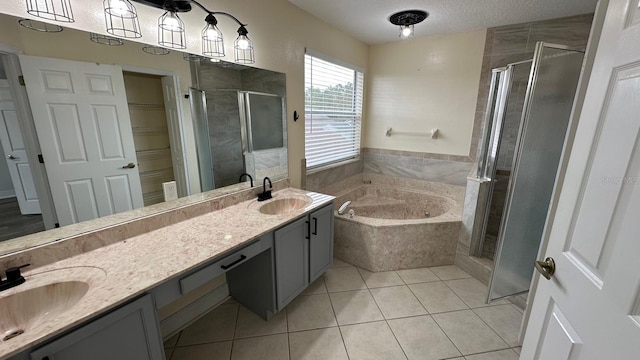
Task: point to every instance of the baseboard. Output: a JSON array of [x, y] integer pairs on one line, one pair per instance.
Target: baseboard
[[194, 311], [4, 194]]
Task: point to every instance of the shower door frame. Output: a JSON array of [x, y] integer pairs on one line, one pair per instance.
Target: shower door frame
[[526, 111], [500, 89]]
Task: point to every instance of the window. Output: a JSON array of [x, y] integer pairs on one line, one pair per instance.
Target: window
[[333, 111]]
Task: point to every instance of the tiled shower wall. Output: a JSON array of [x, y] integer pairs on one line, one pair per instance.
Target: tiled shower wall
[[508, 44]]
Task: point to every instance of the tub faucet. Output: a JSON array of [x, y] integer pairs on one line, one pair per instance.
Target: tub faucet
[[247, 175], [344, 206], [265, 194]]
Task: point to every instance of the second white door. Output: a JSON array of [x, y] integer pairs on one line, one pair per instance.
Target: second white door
[[83, 126]]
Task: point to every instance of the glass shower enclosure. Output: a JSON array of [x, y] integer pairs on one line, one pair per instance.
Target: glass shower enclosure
[[238, 132], [536, 98]]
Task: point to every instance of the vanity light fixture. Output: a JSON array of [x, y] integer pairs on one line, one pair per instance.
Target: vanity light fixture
[[105, 40], [243, 47], [212, 42], [39, 25], [121, 18], [58, 10], [406, 21], [171, 30]]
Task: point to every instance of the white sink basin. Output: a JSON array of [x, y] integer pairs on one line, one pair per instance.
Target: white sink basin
[[43, 298], [285, 205]]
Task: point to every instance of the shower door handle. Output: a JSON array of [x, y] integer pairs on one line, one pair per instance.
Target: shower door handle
[[547, 267]]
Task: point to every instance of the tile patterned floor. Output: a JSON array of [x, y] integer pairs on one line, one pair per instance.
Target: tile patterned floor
[[351, 314]]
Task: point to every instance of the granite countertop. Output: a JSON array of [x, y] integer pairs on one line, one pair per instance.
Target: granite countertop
[[127, 269]]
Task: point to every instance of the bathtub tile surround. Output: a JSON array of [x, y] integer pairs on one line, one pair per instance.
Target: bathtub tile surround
[[320, 178], [388, 322], [448, 169], [390, 230]]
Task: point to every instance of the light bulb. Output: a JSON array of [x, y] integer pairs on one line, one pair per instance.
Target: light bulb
[[171, 22], [211, 32], [243, 43], [406, 31], [119, 7]]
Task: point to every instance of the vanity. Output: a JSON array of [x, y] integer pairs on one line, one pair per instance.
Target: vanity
[[102, 304]]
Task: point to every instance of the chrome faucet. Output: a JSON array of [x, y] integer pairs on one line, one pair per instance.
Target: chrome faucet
[[14, 278], [343, 208], [247, 175], [265, 194]]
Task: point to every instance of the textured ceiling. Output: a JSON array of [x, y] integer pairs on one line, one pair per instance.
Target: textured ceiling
[[367, 20]]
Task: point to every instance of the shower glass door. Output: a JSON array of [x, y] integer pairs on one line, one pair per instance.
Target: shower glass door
[[547, 108]]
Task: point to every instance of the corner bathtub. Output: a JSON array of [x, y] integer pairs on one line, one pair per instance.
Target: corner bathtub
[[396, 228]]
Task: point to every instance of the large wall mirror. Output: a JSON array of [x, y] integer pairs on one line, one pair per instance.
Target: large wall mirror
[[114, 120]]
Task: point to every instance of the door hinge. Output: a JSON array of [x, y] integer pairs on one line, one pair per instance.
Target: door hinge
[[40, 159], [21, 80]]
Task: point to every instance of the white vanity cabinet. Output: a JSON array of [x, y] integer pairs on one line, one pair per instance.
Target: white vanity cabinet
[[131, 332]]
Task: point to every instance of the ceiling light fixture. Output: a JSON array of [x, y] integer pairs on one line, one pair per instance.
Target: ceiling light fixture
[[121, 19], [406, 21], [58, 10], [171, 30]]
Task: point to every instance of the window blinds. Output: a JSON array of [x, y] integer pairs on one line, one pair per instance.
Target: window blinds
[[333, 111]]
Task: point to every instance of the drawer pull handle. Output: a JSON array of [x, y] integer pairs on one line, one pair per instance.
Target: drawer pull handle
[[225, 267], [315, 226], [308, 230]]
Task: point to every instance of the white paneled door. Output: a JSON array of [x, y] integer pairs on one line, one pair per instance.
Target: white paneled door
[[82, 121], [590, 309], [16, 155]]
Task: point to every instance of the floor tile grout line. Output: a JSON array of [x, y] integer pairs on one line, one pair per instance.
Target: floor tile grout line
[[335, 316], [387, 323], [416, 296], [456, 294], [491, 327], [447, 335]]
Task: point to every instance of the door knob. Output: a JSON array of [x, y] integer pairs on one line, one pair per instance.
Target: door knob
[[547, 267], [129, 166], [11, 157]]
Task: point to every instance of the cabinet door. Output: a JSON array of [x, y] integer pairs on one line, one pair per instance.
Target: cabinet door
[[291, 252], [128, 333], [321, 242]]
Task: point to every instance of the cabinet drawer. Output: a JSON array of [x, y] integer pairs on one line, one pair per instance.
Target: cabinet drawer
[[208, 273]]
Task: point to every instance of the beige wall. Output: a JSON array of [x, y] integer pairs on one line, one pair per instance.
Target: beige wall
[[279, 30], [420, 84]]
